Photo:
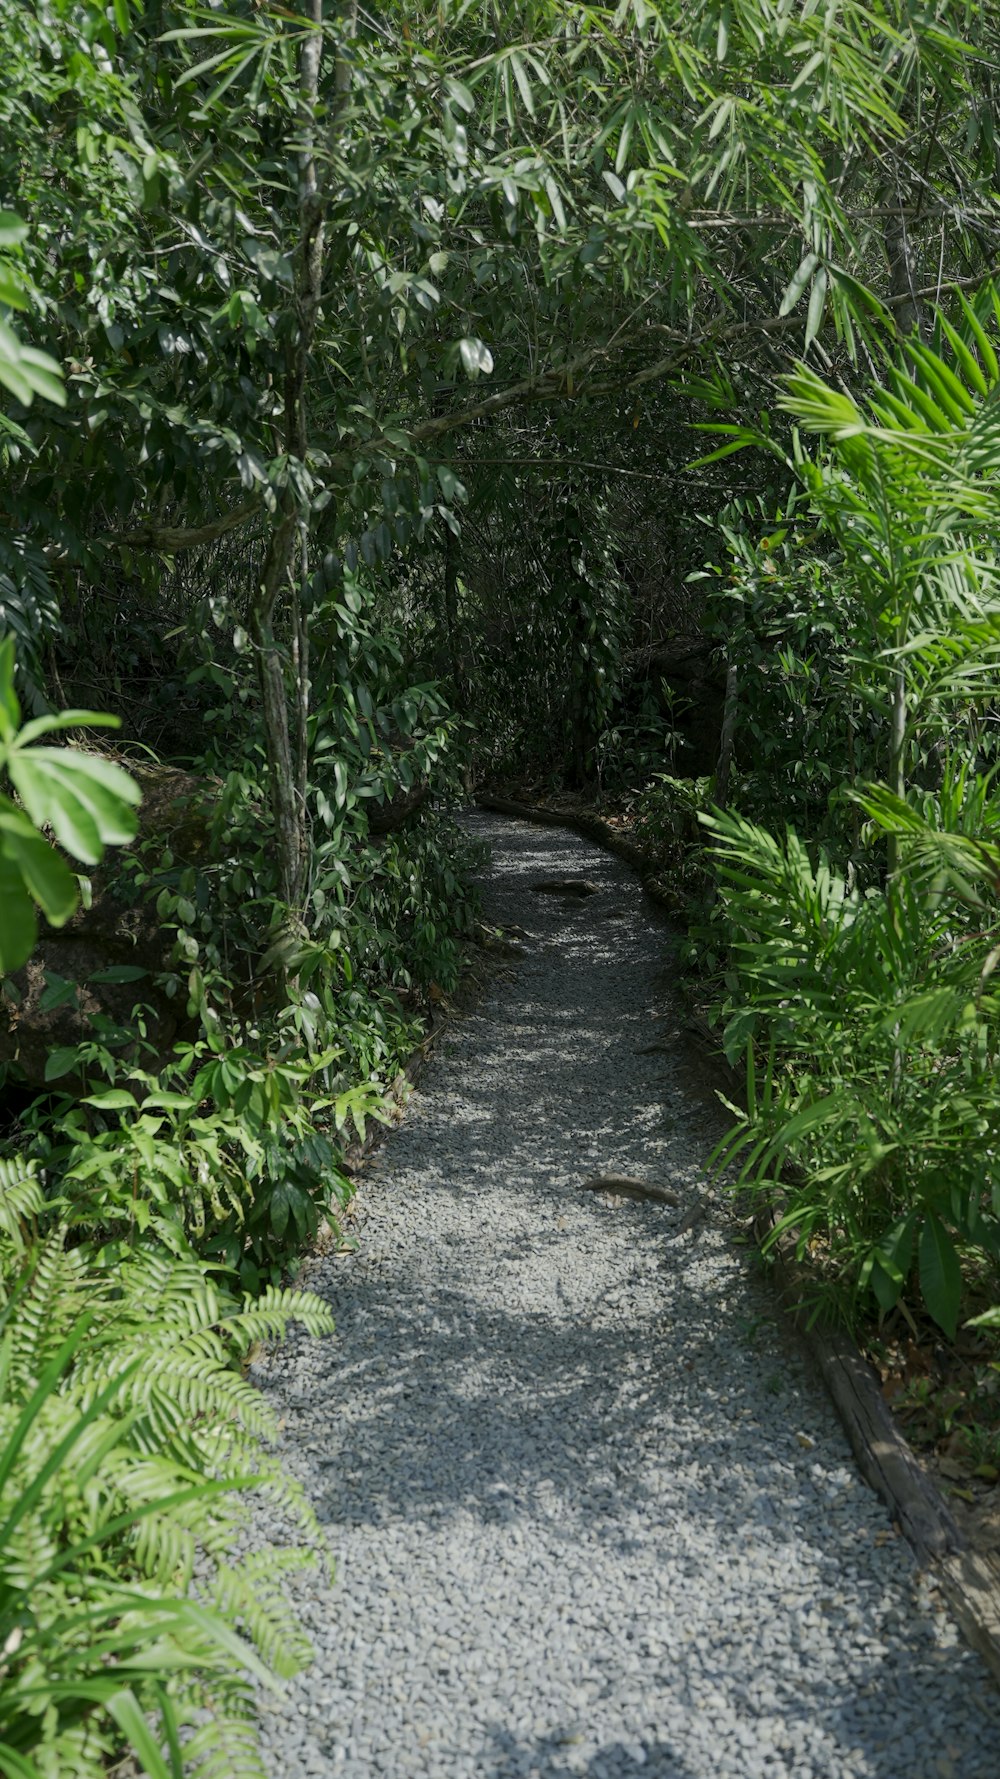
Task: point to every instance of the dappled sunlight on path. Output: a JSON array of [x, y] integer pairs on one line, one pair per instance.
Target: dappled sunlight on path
[[592, 1513]]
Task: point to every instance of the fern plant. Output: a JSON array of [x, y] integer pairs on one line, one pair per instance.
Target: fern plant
[[128, 1442], [871, 1042], [870, 1022]]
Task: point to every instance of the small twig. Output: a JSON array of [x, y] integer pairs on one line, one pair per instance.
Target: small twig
[[692, 1217]]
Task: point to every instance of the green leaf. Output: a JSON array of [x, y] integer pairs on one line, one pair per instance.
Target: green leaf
[[17, 1766], [798, 283], [886, 1286], [940, 1274], [61, 1062], [12, 230], [18, 926], [124, 1708], [66, 719], [10, 709], [817, 300], [46, 877], [87, 801], [279, 1209], [59, 992], [451, 487], [476, 357], [722, 36], [27, 372]]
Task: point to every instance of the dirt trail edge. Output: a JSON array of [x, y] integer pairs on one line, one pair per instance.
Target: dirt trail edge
[[592, 1511]]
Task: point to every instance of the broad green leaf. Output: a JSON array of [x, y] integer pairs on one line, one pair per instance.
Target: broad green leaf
[[87, 801], [18, 926], [59, 992], [119, 973], [940, 1274], [10, 709], [12, 230], [61, 1062], [66, 719], [886, 1285], [27, 372], [46, 877], [451, 487], [476, 357]]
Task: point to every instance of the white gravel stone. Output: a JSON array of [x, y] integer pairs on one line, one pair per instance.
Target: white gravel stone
[[593, 1512]]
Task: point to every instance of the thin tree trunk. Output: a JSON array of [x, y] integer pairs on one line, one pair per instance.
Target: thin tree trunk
[[285, 806], [451, 563], [725, 761], [300, 664], [903, 272], [287, 773]]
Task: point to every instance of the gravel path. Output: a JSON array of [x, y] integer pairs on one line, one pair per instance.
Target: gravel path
[[592, 1512]]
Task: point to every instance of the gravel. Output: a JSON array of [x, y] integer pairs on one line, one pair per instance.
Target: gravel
[[591, 1510]]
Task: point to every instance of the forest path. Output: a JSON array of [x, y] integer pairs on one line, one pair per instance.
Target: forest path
[[592, 1512]]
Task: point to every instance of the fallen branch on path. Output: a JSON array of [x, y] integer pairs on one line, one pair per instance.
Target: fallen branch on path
[[625, 1187]]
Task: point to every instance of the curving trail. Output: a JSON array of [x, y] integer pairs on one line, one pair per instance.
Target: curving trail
[[592, 1512]]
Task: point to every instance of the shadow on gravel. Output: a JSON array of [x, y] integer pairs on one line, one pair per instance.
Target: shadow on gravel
[[639, 1416], [511, 1758], [523, 1417]]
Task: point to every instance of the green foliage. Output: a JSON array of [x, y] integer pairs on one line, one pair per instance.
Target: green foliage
[[128, 1440], [371, 337], [870, 1041], [788, 616], [24, 371], [667, 827], [868, 1017], [86, 801]]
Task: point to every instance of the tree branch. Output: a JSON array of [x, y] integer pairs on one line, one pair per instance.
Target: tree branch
[[562, 382], [183, 537]]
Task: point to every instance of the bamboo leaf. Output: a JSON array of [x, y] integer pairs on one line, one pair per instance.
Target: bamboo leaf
[[800, 279]]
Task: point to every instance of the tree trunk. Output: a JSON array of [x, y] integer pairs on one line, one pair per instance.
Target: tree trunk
[[725, 760], [286, 807], [451, 563], [287, 758]]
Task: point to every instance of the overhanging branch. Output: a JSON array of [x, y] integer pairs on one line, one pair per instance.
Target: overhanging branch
[[564, 382], [183, 537]]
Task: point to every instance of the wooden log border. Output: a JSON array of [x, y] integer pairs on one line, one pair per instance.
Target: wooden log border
[[969, 1579]]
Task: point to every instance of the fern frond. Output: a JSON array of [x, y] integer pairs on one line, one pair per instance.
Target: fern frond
[[266, 1317], [21, 1199]]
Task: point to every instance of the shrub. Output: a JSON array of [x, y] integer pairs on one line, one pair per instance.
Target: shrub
[[128, 1442]]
